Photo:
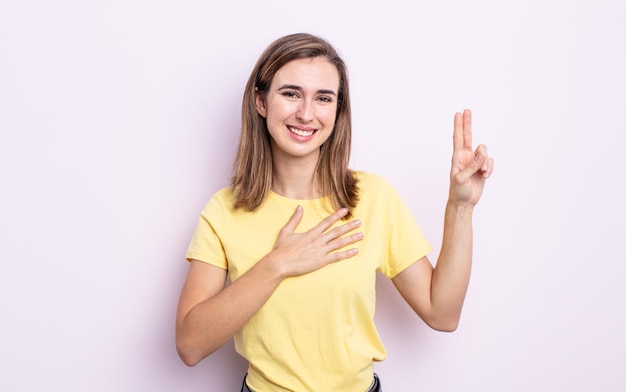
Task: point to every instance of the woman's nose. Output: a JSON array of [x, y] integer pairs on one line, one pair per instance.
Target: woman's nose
[[306, 110]]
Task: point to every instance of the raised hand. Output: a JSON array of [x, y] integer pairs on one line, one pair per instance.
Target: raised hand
[[470, 168], [300, 253]]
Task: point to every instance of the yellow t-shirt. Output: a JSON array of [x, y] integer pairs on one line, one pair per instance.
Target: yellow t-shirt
[[316, 332]]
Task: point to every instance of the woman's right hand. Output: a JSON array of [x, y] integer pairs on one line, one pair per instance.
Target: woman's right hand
[[210, 314], [301, 253]]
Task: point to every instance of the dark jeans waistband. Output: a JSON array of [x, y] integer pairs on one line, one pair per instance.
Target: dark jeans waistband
[[375, 387]]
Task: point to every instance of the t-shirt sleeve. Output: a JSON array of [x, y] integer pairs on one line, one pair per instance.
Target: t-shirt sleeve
[[205, 243], [406, 242]]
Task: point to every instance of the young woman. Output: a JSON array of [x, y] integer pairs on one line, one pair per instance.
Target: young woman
[[301, 236]]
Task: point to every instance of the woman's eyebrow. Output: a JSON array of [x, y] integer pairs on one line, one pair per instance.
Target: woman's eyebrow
[[298, 88]]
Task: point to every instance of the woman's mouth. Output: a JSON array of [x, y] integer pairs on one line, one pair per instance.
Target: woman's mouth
[[302, 132]]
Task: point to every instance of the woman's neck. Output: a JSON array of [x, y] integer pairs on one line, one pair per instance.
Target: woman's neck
[[296, 178]]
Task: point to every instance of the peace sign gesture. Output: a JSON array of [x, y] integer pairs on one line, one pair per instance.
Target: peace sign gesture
[[470, 168]]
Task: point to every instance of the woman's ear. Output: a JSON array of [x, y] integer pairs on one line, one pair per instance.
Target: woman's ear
[[259, 101]]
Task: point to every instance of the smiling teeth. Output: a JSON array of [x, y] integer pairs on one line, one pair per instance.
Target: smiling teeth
[[300, 132]]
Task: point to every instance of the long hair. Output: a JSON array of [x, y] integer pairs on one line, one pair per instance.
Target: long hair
[[252, 170]]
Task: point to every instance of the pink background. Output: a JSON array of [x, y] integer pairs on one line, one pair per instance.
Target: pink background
[[119, 120]]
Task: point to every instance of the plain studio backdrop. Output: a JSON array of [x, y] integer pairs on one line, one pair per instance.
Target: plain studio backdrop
[[119, 119]]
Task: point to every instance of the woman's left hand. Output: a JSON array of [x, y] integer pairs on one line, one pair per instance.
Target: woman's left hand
[[470, 168]]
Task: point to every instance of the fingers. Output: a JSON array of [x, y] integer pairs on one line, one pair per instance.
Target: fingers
[[462, 134], [330, 220], [338, 241], [301, 253], [486, 162], [487, 168], [321, 227], [481, 163], [467, 129], [294, 221], [335, 238], [338, 256], [457, 135]]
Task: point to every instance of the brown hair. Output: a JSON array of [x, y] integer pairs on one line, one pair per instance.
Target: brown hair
[[252, 169]]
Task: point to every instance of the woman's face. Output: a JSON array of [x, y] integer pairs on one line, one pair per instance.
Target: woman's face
[[300, 107]]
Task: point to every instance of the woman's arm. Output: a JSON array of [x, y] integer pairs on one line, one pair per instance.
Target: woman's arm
[[209, 315], [437, 294]]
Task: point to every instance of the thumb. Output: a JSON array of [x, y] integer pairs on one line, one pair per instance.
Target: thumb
[[294, 221], [475, 165]]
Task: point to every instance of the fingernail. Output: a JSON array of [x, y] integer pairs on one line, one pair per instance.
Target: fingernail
[[356, 222]]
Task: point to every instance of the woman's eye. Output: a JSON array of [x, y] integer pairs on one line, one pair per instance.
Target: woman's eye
[[290, 94], [325, 99]]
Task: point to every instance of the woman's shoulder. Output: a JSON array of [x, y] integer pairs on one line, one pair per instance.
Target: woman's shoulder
[[368, 181], [225, 194], [220, 200]]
